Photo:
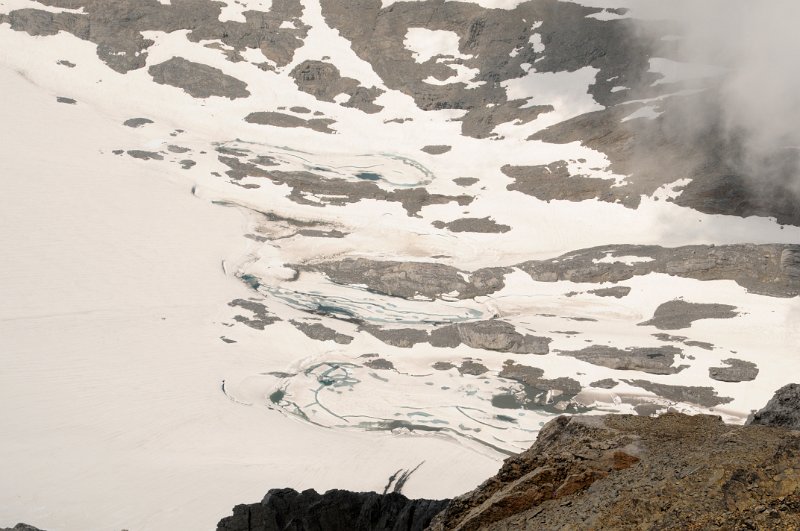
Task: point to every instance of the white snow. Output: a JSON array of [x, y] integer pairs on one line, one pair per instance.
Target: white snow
[[427, 44], [117, 273]]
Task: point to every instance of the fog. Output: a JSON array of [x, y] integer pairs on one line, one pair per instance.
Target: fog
[[758, 105]]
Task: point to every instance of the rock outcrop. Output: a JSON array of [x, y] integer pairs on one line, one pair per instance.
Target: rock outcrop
[[783, 410], [287, 509], [628, 472]]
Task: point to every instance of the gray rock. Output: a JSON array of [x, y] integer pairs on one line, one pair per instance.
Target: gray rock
[[617, 292], [68, 64], [437, 149], [472, 368], [145, 155], [320, 332], [650, 360], [177, 149], [701, 396], [737, 371], [606, 383], [21, 527], [410, 279], [683, 339], [116, 27], [554, 182], [137, 122], [198, 80], [279, 119], [489, 36], [379, 364], [486, 335], [677, 314], [323, 81], [540, 393], [755, 267], [783, 410], [397, 337], [261, 317], [68, 101], [499, 336], [478, 225], [465, 181], [790, 262]]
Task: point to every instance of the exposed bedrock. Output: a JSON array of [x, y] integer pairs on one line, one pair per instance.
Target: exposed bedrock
[[496, 44], [116, 27], [736, 371], [198, 80], [538, 393], [411, 279], [323, 81], [478, 225], [635, 472], [21, 527], [782, 410], [683, 339], [762, 269], [653, 360], [279, 119], [678, 314], [617, 292], [436, 149], [320, 332], [260, 318], [336, 510], [492, 334], [137, 122], [701, 396]]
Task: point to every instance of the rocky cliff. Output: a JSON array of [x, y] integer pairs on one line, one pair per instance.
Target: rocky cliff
[[287, 509]]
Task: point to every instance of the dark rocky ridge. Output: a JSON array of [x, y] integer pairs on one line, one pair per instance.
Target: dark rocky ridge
[[772, 270], [629, 472], [572, 41], [286, 509], [116, 27]]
